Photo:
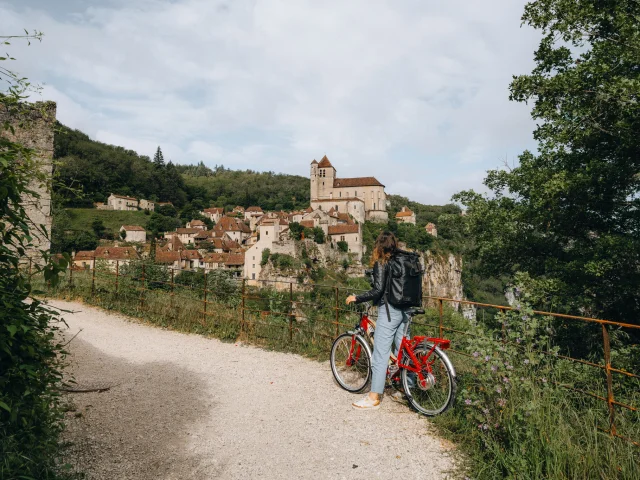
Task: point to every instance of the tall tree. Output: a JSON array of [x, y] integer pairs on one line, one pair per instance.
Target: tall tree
[[158, 159], [570, 214]]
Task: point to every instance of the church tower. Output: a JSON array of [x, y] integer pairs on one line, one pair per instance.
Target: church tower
[[314, 180], [326, 176]]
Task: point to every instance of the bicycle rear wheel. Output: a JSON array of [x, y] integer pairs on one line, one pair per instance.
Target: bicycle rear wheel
[[435, 394], [351, 362]]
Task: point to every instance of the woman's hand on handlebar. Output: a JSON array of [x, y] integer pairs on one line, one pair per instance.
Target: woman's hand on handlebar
[[350, 299]]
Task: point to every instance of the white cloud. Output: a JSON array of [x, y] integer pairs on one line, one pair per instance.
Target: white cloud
[[291, 81]]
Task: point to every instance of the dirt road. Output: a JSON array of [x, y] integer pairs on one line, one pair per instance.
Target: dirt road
[[187, 407]]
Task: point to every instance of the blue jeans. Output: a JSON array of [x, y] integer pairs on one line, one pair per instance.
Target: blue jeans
[[387, 332]]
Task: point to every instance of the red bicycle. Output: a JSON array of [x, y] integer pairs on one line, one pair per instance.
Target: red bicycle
[[421, 368]]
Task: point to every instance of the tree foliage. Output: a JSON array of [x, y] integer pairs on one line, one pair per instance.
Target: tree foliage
[[30, 352], [570, 213]]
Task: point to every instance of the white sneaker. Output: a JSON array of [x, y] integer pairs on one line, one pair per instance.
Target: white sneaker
[[398, 396], [366, 404]]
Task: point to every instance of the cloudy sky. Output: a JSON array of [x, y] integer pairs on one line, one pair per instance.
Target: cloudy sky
[[414, 92]]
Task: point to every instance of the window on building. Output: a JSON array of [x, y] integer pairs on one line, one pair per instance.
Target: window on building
[[374, 206], [340, 194], [254, 257], [356, 193], [254, 265], [253, 276], [371, 194], [342, 238]]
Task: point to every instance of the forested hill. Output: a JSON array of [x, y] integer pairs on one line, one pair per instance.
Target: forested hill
[[98, 169]]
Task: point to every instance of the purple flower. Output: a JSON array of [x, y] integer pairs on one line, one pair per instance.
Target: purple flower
[[485, 426], [525, 318], [505, 379], [494, 368], [509, 367], [485, 411], [526, 361], [499, 389], [476, 354], [487, 358], [518, 340], [497, 425], [502, 402], [467, 402]]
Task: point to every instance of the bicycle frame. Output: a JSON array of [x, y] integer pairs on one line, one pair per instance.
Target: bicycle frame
[[408, 346]]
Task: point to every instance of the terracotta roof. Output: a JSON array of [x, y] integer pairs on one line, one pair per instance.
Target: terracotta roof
[[190, 254], [238, 209], [167, 257], [314, 161], [334, 200], [123, 197], [253, 209], [214, 210], [308, 210], [283, 222], [203, 235], [343, 229], [216, 258], [133, 228], [235, 259], [84, 255], [356, 182], [406, 213], [196, 222], [345, 217], [116, 253], [307, 223], [331, 211], [230, 224], [184, 231], [325, 163]]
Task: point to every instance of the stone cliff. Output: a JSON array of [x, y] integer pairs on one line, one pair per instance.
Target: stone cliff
[[443, 278]]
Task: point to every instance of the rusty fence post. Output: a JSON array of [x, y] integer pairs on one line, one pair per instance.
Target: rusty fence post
[[172, 304], [93, 278], [117, 276], [142, 290], [242, 327], [292, 313], [204, 313], [440, 322], [337, 312], [607, 363]]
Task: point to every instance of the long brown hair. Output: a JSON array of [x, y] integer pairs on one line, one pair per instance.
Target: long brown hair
[[385, 245]]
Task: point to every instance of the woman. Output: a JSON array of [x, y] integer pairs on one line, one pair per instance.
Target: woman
[[387, 329]]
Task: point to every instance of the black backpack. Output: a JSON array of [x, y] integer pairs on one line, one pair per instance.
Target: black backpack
[[404, 280]]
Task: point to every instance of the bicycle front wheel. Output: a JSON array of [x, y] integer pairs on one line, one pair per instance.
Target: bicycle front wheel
[[435, 393], [351, 362]]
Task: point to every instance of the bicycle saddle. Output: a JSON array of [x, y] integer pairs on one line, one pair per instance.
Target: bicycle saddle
[[415, 311]]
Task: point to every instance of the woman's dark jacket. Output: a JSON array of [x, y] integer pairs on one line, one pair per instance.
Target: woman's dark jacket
[[379, 285]]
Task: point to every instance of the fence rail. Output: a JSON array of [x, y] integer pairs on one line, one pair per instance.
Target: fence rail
[[284, 314]]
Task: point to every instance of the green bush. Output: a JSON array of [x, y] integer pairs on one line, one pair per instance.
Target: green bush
[[266, 253], [343, 246]]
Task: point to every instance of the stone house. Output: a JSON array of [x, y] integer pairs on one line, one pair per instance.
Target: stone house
[[406, 216], [147, 205], [187, 235], [84, 259], [269, 232], [350, 234], [214, 214], [235, 228], [238, 211], [431, 229], [215, 261], [113, 255], [353, 206], [120, 202], [325, 185], [199, 224], [134, 233], [253, 212], [235, 261], [191, 259], [169, 258]]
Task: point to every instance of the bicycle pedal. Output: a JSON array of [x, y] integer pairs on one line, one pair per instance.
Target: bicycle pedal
[[392, 371]]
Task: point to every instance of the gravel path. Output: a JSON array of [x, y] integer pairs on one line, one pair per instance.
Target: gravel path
[[188, 407]]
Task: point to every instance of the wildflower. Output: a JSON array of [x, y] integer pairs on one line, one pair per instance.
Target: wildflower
[[526, 361], [476, 354], [525, 318], [544, 380], [494, 368], [467, 402], [497, 425], [502, 402], [485, 411], [518, 340], [505, 379], [509, 367], [499, 389], [487, 358], [485, 426]]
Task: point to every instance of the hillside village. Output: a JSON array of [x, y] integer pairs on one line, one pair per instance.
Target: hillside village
[[242, 239]]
